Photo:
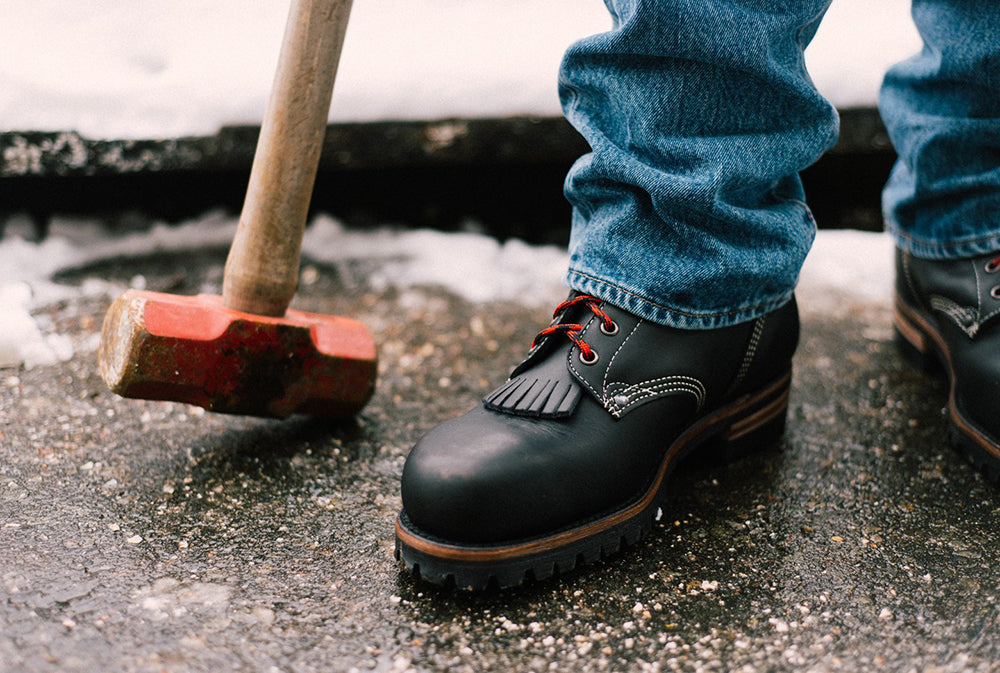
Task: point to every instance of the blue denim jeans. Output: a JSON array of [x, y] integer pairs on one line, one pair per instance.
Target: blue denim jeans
[[700, 114]]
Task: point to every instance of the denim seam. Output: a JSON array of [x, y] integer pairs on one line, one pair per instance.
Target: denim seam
[[806, 210], [687, 314], [898, 232]]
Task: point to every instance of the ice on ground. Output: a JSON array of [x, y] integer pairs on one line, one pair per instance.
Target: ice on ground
[[108, 68], [844, 268]]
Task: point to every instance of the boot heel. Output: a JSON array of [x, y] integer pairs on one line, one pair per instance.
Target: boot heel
[[739, 444], [913, 344], [761, 428], [916, 352]]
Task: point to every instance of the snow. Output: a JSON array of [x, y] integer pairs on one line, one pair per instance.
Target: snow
[[145, 68], [476, 267], [22, 341], [845, 268]]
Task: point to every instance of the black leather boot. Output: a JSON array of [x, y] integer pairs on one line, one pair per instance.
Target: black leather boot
[[947, 315], [569, 459]]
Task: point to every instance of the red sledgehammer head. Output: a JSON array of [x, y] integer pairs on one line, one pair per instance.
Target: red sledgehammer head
[[195, 350]]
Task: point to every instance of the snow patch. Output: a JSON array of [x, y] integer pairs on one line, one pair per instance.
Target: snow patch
[[476, 267], [21, 341], [845, 268], [27, 270], [473, 266]]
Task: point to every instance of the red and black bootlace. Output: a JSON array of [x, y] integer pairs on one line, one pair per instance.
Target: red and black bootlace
[[572, 330]]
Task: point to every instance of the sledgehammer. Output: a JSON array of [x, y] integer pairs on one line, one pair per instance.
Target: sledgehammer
[[246, 352]]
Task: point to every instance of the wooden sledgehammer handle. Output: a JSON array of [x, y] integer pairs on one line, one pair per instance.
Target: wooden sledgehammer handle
[[262, 270]]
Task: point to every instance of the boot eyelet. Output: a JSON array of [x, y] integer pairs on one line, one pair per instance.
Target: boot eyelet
[[594, 357], [993, 265], [995, 292], [609, 331]]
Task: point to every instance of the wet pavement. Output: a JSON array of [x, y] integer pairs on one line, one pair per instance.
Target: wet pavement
[[149, 536]]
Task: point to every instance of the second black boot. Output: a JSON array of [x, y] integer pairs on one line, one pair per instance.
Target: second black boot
[[947, 316]]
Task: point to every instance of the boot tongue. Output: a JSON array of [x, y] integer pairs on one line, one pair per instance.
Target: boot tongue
[[542, 386]]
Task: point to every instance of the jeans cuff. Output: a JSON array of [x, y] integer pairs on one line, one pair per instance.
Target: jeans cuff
[[661, 313], [958, 249]]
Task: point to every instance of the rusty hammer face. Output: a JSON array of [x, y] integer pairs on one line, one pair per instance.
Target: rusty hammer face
[[244, 352], [195, 350]]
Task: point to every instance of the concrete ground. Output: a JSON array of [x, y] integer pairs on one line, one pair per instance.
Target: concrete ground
[[146, 536]]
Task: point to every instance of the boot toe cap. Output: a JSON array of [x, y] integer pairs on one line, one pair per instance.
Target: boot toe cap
[[487, 478]]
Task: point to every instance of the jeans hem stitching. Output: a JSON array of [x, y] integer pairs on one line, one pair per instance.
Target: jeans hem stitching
[[687, 314]]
